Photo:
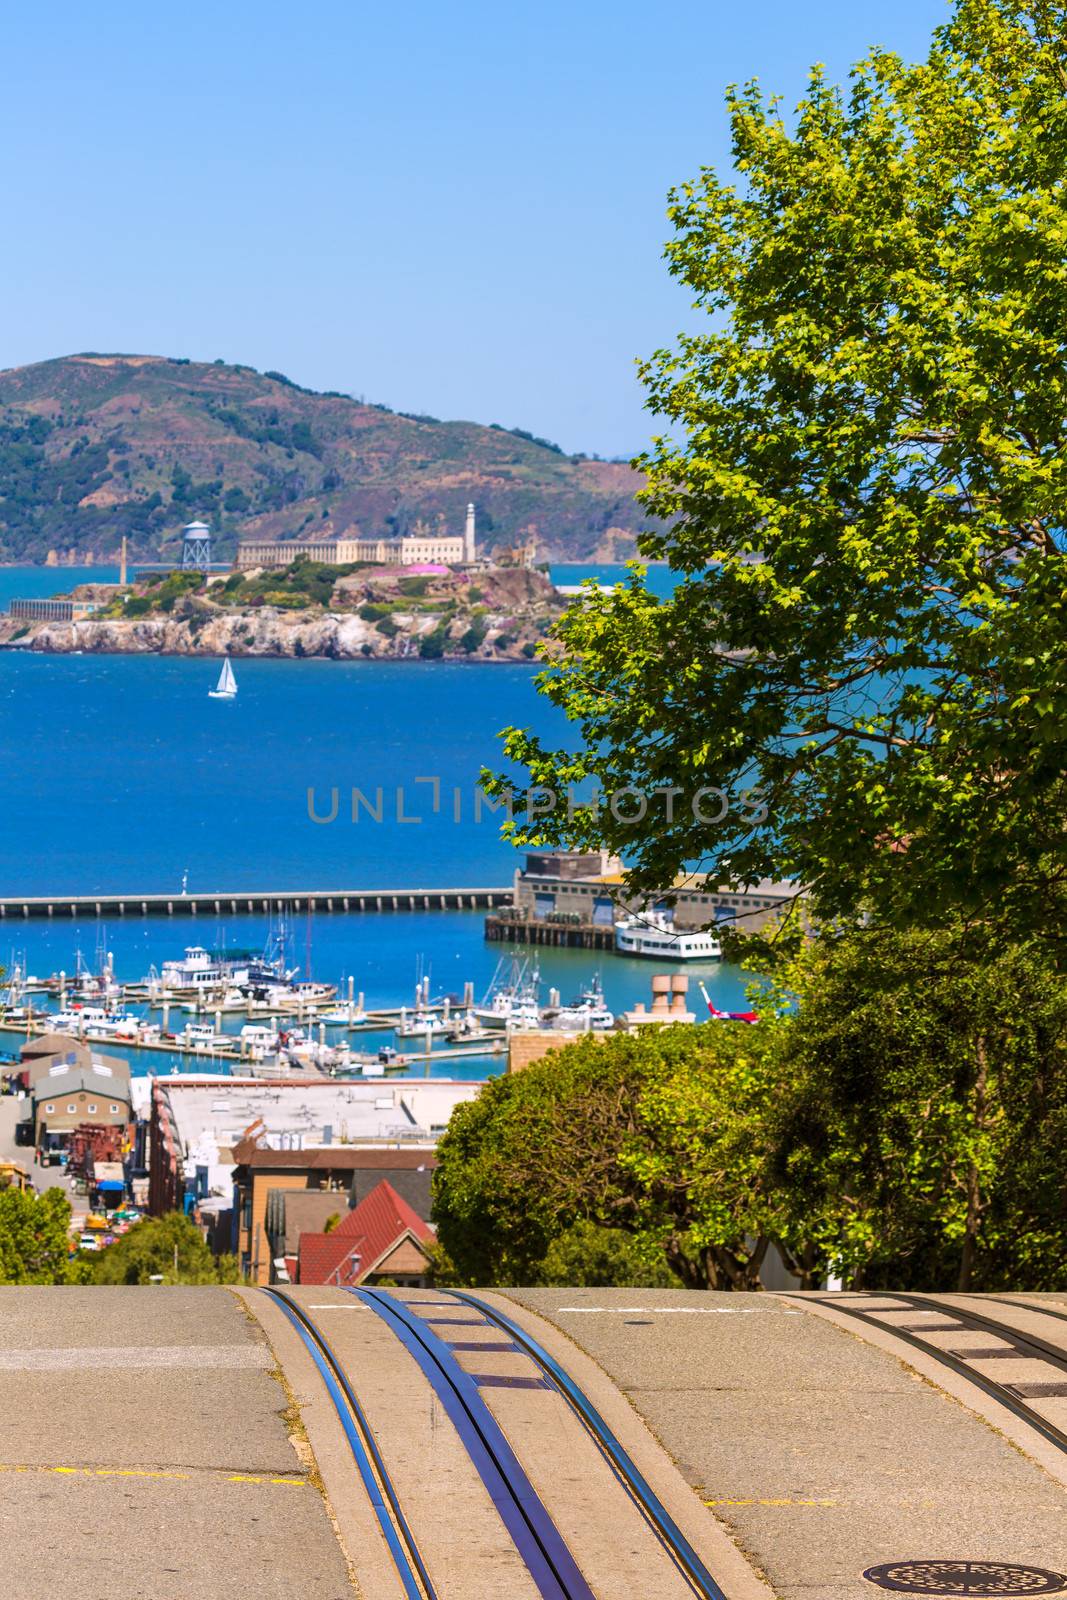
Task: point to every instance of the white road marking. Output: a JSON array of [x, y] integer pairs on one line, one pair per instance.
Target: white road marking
[[671, 1311], [331, 1307]]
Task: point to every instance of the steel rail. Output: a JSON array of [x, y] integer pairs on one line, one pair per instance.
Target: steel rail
[[396, 1531], [655, 1513], [1055, 1354], [1027, 1305], [998, 1391], [532, 1530]]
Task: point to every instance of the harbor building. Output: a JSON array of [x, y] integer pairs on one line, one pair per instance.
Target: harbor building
[[67, 1096], [569, 897], [410, 549]]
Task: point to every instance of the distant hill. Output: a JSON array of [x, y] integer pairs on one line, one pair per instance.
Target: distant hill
[[93, 447]]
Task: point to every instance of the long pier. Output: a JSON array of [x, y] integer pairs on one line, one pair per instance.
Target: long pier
[[217, 902]]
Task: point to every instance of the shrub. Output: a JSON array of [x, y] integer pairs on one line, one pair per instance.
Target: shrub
[[432, 645], [474, 637]]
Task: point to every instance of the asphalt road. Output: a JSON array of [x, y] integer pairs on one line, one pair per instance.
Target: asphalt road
[[179, 1444], [821, 1454], [147, 1452]]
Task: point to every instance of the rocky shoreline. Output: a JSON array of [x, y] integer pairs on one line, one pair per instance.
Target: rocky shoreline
[[336, 637]]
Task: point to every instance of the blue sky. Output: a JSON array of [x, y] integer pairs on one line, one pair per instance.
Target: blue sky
[[456, 209]]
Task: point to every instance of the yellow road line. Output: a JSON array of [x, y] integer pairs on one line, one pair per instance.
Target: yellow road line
[[143, 1472]]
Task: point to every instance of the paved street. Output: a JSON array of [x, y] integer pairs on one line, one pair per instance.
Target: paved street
[[821, 1454]]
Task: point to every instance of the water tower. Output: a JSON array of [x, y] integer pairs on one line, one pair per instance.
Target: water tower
[[196, 547]]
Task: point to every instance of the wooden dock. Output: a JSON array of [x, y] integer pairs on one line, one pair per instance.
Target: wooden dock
[[516, 927], [246, 902]]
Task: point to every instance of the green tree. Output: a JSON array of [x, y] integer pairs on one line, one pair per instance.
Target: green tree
[[658, 1136], [589, 1256], [865, 481], [148, 1251], [34, 1236], [919, 1143]]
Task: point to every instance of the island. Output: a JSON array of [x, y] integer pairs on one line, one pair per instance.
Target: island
[[347, 612]]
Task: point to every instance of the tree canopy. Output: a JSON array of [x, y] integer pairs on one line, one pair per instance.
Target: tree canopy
[[171, 1247], [655, 1136], [865, 486], [897, 1119], [920, 1140], [34, 1236]]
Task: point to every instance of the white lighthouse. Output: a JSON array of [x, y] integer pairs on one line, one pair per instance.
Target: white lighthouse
[[469, 552]]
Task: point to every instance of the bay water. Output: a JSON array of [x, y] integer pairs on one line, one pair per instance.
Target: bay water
[[118, 773]]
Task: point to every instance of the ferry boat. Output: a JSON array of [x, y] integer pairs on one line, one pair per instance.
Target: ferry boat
[[654, 935], [195, 970]]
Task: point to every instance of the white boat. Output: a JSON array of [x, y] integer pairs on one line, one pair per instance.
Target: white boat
[[226, 688], [127, 1026], [524, 1015], [88, 1019], [62, 1021], [257, 1040], [344, 1016], [587, 1013], [511, 1000], [202, 1036], [195, 970], [653, 934], [419, 1024]]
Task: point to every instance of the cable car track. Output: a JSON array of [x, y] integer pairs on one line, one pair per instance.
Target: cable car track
[[651, 1507], [403, 1548], [966, 1320], [529, 1525]]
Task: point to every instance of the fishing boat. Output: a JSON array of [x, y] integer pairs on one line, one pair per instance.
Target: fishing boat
[[524, 1015], [513, 991], [653, 934], [588, 1012], [226, 688]]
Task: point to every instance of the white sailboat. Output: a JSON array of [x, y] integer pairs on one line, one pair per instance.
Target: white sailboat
[[226, 688]]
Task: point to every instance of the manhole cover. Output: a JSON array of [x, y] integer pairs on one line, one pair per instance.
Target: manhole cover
[[965, 1577]]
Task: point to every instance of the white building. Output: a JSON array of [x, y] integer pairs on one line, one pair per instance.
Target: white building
[[411, 549]]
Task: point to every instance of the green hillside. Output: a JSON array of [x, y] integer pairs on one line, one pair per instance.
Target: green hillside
[[94, 447]]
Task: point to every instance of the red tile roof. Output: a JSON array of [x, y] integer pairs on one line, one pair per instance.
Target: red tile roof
[[372, 1228], [324, 1258]]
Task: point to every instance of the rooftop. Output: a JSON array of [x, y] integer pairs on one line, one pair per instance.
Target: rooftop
[[210, 1116], [370, 1230]]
